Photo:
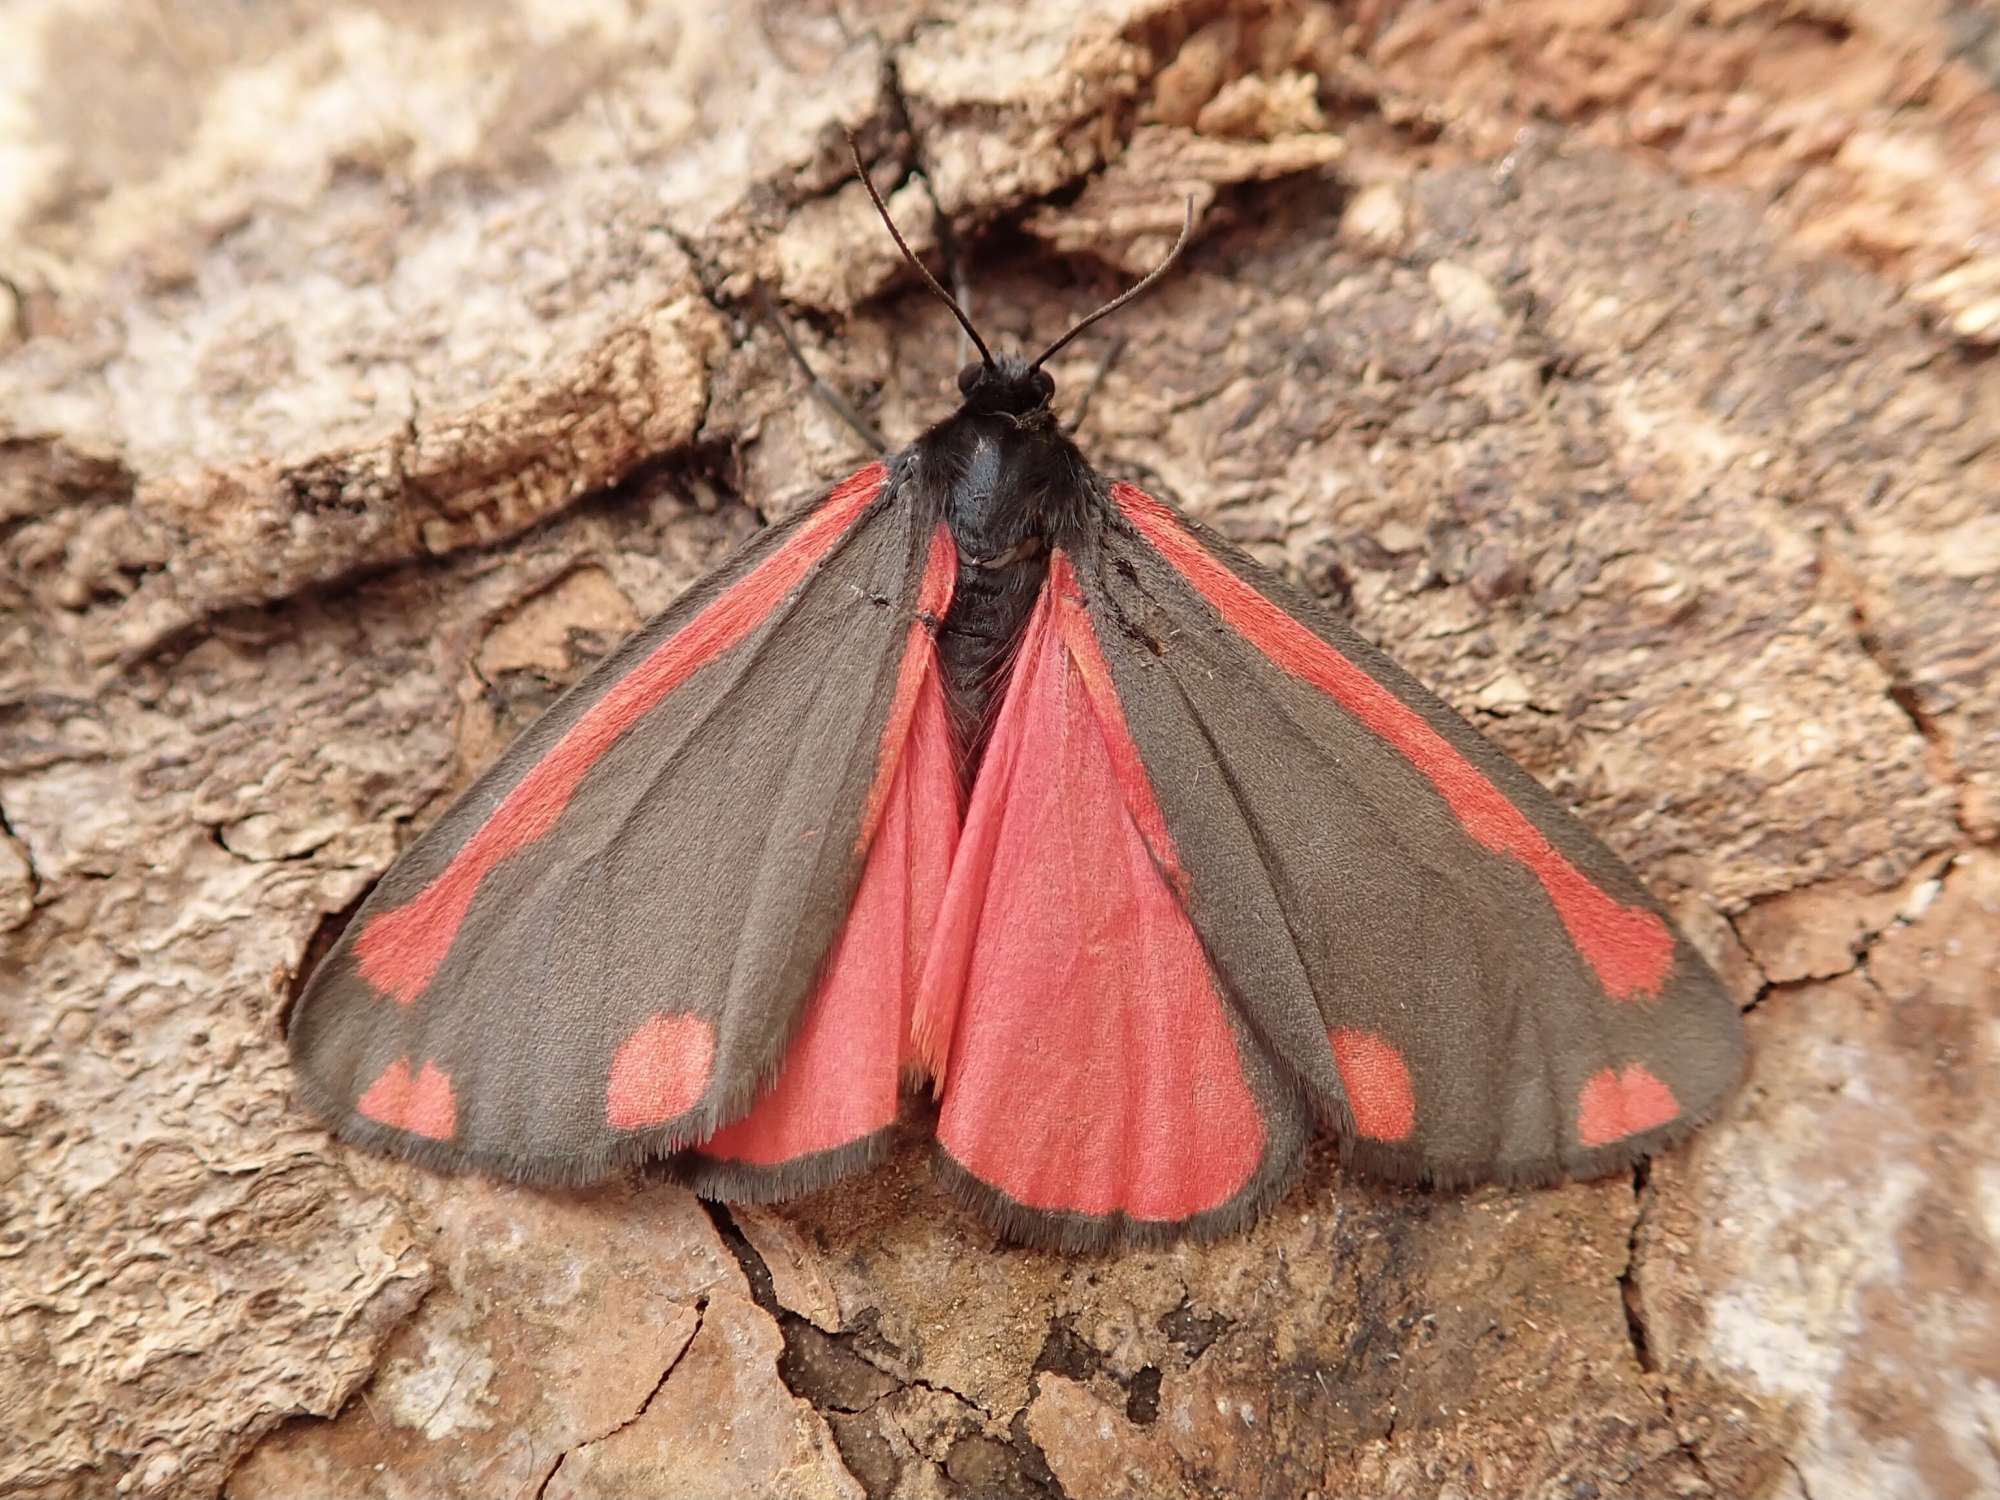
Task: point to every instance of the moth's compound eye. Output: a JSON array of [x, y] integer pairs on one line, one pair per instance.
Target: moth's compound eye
[[1045, 383], [968, 378]]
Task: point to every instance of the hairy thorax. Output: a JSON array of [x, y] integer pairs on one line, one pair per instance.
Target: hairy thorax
[[1012, 489]]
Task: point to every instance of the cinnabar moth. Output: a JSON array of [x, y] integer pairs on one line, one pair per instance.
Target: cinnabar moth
[[986, 769]]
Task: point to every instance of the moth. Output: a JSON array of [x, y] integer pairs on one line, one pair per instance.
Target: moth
[[988, 771]]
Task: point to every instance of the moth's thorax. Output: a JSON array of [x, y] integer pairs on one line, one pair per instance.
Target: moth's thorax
[[1011, 484], [997, 494]]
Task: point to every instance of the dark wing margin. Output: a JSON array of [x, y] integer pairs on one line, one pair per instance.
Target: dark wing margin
[[1471, 986], [600, 953]]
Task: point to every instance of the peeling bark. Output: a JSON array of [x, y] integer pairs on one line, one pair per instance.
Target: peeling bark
[[365, 374]]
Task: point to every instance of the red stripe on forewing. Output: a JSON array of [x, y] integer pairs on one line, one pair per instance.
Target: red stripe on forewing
[[400, 950], [1095, 674], [1630, 948], [1092, 1066], [919, 661], [842, 1076]]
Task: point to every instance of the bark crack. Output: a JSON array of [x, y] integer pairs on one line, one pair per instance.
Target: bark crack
[[1900, 691], [806, 1376], [1903, 693], [31, 876], [1864, 942], [700, 1312], [896, 106], [1643, 1353], [1629, 1289]]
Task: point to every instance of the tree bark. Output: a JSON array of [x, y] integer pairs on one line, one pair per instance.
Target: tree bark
[[365, 373]]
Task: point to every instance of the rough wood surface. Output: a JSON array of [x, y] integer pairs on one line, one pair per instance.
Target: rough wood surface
[[365, 371]]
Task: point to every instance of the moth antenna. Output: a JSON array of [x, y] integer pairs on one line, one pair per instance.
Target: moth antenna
[[936, 286], [1187, 228]]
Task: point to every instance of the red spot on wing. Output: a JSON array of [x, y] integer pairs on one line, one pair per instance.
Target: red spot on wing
[[1615, 1105], [1378, 1086], [400, 950], [842, 1075], [420, 1103], [1630, 948], [1092, 1067], [661, 1070]]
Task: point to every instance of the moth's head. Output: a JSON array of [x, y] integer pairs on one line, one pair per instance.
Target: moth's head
[[1006, 384]]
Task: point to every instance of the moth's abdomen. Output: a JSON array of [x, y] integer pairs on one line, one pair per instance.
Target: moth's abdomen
[[979, 640]]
